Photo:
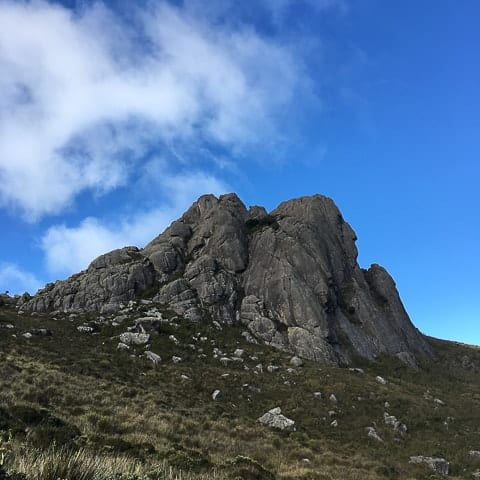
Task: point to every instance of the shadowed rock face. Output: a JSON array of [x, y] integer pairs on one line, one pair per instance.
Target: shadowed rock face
[[291, 277]]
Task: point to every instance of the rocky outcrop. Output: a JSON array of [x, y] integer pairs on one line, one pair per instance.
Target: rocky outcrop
[[110, 281], [290, 276]]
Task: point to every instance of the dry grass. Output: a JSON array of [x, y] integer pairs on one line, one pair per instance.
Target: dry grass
[[121, 415]]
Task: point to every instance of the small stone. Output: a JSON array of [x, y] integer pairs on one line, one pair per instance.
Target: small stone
[[381, 380], [238, 353], [225, 361], [173, 339], [216, 395], [122, 346], [176, 359], [357, 370], [438, 465], [217, 325], [156, 359], [27, 335], [333, 398], [272, 368], [296, 362], [317, 395], [85, 329], [134, 338], [334, 424], [437, 401], [372, 433], [184, 377]]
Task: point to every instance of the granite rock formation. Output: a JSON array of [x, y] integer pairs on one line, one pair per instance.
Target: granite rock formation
[[290, 276]]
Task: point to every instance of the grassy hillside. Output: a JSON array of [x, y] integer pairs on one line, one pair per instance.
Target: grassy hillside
[[72, 406]]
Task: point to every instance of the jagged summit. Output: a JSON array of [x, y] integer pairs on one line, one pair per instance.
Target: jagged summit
[[290, 276]]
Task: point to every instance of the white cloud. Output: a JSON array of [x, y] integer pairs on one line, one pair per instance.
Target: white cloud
[[15, 280], [71, 249], [83, 97]]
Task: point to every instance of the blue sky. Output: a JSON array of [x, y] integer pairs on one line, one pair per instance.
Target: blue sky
[[116, 116]]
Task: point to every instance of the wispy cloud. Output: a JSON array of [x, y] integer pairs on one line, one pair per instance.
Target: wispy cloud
[[15, 280], [70, 249], [85, 95]]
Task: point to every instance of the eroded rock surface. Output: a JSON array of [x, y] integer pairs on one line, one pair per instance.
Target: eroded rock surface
[[290, 276]]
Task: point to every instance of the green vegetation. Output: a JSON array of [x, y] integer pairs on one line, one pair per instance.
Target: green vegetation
[[74, 407]]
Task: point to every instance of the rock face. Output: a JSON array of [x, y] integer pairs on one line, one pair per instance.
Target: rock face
[[289, 276]]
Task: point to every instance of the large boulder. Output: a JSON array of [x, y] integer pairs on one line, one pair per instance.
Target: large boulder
[[274, 418]]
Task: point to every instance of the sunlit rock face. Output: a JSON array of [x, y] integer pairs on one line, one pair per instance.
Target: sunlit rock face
[[290, 276]]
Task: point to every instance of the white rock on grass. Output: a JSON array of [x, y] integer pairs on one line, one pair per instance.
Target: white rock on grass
[[317, 395], [238, 353], [176, 359], [131, 338], [153, 357], [397, 426], [217, 395], [380, 380], [372, 433], [225, 361], [274, 418], [85, 329], [122, 346], [296, 362], [333, 398], [438, 465]]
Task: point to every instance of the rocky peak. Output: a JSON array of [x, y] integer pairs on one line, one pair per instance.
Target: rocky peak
[[290, 276]]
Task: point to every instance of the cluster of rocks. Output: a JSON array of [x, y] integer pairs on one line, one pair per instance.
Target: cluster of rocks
[[290, 276], [274, 418], [438, 465]]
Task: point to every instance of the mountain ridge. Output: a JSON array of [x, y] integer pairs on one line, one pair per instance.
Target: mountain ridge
[[290, 277]]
